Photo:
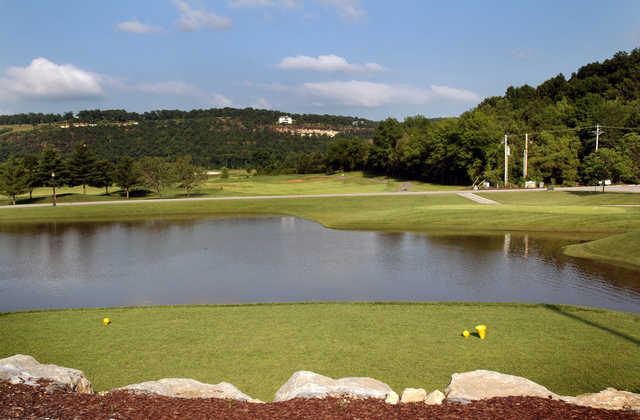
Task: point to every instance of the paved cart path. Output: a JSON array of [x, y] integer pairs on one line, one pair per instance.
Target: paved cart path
[[614, 188]]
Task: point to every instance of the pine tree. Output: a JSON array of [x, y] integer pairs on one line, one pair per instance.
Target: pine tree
[[14, 179]]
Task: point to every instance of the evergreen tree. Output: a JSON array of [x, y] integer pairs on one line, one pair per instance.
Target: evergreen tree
[[126, 175], [14, 179], [103, 175], [82, 167]]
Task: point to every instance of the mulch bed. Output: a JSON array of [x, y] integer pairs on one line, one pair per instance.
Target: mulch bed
[[27, 402]]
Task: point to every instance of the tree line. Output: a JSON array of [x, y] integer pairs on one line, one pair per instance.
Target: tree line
[[559, 118], [22, 175], [213, 142], [248, 115]]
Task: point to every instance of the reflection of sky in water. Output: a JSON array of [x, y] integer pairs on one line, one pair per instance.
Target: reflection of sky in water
[[289, 259]]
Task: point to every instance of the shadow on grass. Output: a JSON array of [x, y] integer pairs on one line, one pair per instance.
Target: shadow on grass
[[560, 311]]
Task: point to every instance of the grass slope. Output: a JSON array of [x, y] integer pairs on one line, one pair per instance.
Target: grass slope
[[257, 347], [239, 184], [621, 250]]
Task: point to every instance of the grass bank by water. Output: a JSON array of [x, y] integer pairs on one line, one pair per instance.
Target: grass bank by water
[[257, 347], [240, 184], [623, 250], [585, 215]]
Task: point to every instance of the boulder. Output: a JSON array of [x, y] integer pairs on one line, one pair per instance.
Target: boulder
[[413, 395], [305, 384], [21, 368], [392, 398], [609, 399], [485, 384], [434, 398], [188, 388]]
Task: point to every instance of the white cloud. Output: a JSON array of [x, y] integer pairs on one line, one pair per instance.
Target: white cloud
[[288, 4], [45, 80], [371, 95], [171, 87], [327, 63], [367, 94], [453, 94], [262, 103], [193, 20], [136, 27], [347, 9], [219, 100], [180, 88], [523, 53]]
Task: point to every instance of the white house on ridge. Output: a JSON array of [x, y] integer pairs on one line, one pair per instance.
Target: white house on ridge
[[285, 120]]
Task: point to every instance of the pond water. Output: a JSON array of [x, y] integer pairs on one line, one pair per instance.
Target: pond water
[[285, 259]]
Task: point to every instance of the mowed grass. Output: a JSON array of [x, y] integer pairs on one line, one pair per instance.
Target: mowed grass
[[623, 250], [564, 198], [239, 184], [398, 213], [570, 350]]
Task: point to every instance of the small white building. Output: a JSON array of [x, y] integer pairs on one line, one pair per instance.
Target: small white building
[[285, 120]]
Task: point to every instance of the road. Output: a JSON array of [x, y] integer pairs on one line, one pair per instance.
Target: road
[[613, 188]]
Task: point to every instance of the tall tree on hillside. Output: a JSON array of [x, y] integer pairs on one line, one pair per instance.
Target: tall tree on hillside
[[126, 174], [188, 175], [30, 163], [52, 171], [82, 167], [14, 179], [155, 173], [103, 175]]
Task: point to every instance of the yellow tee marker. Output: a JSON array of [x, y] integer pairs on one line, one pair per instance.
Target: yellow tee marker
[[106, 321], [481, 330], [465, 334]]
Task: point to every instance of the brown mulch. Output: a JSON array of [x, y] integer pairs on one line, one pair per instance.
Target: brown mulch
[[27, 402]]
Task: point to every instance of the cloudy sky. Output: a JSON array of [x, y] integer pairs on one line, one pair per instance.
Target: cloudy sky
[[368, 58]]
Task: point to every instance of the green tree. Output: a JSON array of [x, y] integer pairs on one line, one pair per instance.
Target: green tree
[[82, 167], [188, 175], [103, 176], [155, 173], [52, 171], [224, 173], [30, 163], [126, 174], [14, 179]]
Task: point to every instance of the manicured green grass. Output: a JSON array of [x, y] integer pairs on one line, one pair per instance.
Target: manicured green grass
[[621, 250], [563, 198], [570, 350], [433, 213], [400, 213], [239, 184]]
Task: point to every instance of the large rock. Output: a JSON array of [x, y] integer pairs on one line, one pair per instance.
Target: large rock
[[485, 384], [189, 388], [25, 369], [413, 395], [305, 384], [610, 399], [434, 398]]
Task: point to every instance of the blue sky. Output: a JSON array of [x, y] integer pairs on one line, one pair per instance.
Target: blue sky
[[365, 58]]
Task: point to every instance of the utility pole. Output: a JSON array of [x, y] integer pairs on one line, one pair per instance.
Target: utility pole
[[526, 154], [598, 132], [506, 162]]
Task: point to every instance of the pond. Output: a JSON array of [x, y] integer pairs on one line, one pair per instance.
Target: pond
[[285, 259]]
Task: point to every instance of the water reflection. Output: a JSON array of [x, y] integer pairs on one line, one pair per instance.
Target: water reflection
[[289, 259]]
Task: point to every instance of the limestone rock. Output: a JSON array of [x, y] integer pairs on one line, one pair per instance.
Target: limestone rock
[[485, 384], [413, 395], [189, 388], [392, 398], [26, 369], [305, 384], [610, 399], [434, 398]]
